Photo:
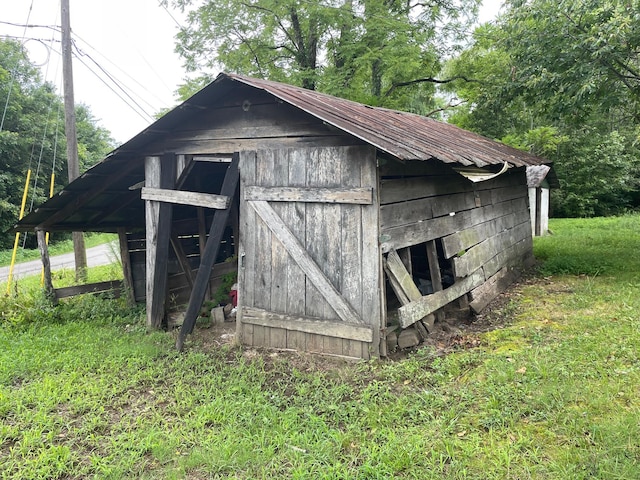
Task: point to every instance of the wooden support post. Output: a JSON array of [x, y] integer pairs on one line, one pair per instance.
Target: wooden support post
[[44, 254], [434, 270], [207, 260], [182, 259], [127, 274], [159, 173], [405, 256]]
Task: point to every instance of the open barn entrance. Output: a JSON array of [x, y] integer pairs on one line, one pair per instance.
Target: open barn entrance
[[184, 228]]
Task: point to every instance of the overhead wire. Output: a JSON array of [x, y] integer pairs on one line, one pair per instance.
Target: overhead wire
[[13, 73], [142, 113]]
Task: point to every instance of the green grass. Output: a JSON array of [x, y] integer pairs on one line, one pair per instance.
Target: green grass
[[55, 248], [85, 392]]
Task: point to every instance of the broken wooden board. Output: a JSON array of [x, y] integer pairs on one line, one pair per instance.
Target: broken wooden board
[[401, 278], [410, 314]]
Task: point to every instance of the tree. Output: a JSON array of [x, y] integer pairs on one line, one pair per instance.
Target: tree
[[32, 130], [381, 52], [568, 69]]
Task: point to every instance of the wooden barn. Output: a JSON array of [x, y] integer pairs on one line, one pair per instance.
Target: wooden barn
[[343, 222]]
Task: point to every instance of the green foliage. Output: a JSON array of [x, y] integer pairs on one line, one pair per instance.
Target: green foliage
[[87, 393], [577, 90], [33, 130], [378, 52]]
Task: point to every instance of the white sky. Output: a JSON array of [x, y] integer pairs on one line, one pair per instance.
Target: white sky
[[133, 40]]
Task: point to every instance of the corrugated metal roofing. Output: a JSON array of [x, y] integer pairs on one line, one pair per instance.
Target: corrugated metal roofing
[[406, 136]]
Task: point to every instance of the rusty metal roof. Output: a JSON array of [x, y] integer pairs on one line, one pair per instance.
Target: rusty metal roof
[[406, 136]]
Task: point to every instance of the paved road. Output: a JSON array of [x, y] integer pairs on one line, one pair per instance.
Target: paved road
[[104, 254]]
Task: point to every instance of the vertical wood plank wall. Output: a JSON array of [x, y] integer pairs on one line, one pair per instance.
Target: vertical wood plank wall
[[333, 234]]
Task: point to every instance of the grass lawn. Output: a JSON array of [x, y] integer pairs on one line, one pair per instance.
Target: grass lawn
[[552, 393]]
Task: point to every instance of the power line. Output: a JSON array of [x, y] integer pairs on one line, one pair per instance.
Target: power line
[[141, 112]]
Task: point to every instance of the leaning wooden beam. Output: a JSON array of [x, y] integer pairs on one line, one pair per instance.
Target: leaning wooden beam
[[400, 279], [208, 200], [160, 173], [410, 314], [182, 259], [207, 260]]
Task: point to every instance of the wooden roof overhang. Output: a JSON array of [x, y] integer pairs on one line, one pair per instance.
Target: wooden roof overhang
[[104, 198]]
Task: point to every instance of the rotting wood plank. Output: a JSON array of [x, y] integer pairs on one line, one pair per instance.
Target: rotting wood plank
[[434, 272], [396, 268], [395, 285], [351, 331], [113, 287], [394, 190], [494, 286], [278, 287], [160, 173], [362, 196], [409, 314], [480, 254], [180, 197], [420, 232], [229, 146], [229, 187], [457, 242], [293, 214], [305, 262], [373, 302]]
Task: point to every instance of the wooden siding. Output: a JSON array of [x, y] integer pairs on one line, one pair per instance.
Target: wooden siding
[[178, 285], [250, 120], [483, 228], [309, 280]]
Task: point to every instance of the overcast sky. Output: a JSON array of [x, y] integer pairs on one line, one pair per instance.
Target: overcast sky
[[131, 40]]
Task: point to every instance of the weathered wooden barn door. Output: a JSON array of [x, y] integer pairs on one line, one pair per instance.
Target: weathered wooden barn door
[[309, 258]]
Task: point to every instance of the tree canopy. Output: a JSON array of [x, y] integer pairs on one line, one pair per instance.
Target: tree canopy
[[32, 135], [380, 52], [561, 78]]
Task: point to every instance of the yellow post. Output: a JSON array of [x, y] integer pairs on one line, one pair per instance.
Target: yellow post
[[15, 243]]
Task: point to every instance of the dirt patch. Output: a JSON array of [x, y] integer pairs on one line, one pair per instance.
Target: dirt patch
[[451, 335]]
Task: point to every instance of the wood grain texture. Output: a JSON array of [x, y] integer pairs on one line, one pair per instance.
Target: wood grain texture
[[305, 262], [409, 314], [361, 196], [197, 199], [317, 326], [402, 278]]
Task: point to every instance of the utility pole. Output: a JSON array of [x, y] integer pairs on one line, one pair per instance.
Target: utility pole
[[70, 131]]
